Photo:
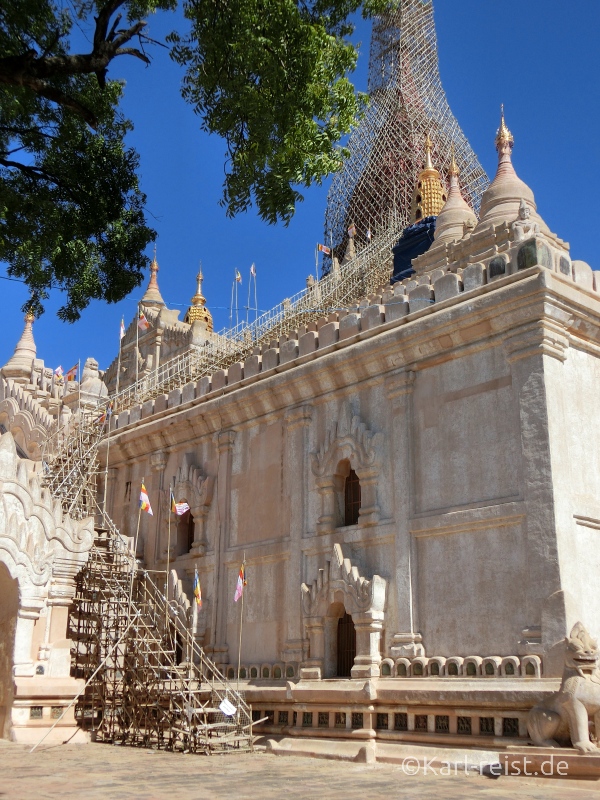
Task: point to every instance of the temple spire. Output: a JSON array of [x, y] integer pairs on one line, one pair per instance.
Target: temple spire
[[429, 195], [504, 138], [456, 213], [198, 312], [20, 364], [501, 200], [428, 146], [152, 296]]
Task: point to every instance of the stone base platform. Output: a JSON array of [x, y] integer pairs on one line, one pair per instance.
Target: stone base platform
[[535, 762]]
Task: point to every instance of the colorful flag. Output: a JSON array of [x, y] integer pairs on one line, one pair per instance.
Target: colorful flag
[[253, 271], [58, 372], [352, 230], [178, 508], [324, 249], [122, 329], [72, 373], [238, 276], [145, 501], [197, 589], [106, 414], [241, 582], [369, 235], [143, 323]]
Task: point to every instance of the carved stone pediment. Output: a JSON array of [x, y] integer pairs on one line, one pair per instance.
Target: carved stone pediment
[[340, 587], [195, 487], [361, 595], [349, 438]]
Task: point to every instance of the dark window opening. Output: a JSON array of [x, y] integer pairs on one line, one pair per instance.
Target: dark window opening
[[510, 726], [463, 725], [190, 531], [351, 499], [420, 722], [346, 646], [401, 722]]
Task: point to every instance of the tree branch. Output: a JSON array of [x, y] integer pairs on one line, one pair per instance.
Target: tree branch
[[132, 51], [35, 72], [38, 173]]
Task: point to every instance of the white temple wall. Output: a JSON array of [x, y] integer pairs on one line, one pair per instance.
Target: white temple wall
[[575, 451], [447, 420]]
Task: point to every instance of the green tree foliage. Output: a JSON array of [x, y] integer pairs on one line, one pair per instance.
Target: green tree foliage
[[269, 76]]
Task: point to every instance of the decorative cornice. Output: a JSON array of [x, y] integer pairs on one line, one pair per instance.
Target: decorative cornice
[[542, 337], [300, 416], [400, 383]]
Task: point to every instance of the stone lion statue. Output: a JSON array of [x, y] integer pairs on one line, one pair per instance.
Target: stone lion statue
[[566, 713]]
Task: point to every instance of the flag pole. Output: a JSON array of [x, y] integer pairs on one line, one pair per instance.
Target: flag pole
[[108, 418], [135, 541], [255, 298], [237, 321], [231, 306], [137, 350], [248, 305], [241, 624], [119, 364], [168, 558]]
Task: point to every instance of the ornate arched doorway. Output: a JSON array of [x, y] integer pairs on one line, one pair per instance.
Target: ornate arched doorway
[[349, 648], [9, 606]]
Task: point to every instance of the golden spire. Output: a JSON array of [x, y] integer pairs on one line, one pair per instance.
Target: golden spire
[[198, 312], [503, 136], [453, 165], [428, 146], [430, 193]]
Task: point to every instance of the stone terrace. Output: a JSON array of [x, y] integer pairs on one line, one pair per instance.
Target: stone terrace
[[99, 771]]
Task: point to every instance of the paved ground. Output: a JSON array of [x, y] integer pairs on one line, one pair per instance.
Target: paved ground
[[95, 771]]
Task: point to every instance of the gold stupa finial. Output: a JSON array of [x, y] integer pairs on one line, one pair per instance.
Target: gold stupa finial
[[453, 165], [198, 312], [430, 193], [428, 146], [503, 136]]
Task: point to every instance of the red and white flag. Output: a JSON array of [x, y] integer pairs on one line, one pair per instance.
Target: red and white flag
[[241, 582], [143, 323]]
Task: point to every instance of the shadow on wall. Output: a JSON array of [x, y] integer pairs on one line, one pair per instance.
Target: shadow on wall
[[9, 604]]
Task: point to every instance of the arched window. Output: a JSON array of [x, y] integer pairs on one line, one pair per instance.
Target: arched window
[[185, 533], [351, 498], [190, 531]]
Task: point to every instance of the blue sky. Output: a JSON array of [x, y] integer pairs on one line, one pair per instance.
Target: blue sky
[[538, 58]]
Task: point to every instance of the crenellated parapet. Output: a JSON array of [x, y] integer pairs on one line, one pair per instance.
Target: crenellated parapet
[[390, 307]]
